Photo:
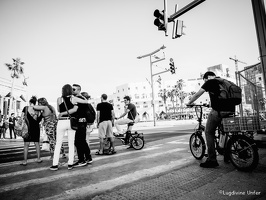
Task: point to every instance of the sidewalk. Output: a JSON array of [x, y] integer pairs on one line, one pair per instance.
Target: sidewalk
[[193, 182]]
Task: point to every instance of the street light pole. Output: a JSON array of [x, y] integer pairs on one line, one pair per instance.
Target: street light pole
[[152, 88], [152, 93]]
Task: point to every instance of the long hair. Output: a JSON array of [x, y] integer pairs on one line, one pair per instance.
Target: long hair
[[33, 100], [67, 90], [44, 102]]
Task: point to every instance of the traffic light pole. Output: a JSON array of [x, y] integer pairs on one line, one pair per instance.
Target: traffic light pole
[[152, 88]]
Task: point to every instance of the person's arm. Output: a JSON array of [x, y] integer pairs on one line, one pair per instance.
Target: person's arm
[[58, 103], [196, 96], [37, 107], [124, 114], [76, 100], [98, 117], [70, 111]]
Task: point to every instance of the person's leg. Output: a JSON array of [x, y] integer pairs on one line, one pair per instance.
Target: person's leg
[[10, 132], [79, 144], [102, 131], [211, 125], [121, 122], [109, 134], [71, 141], [59, 139], [14, 133], [37, 146], [26, 148]]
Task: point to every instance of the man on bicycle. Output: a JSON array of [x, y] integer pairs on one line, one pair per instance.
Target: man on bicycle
[[131, 112], [219, 111]]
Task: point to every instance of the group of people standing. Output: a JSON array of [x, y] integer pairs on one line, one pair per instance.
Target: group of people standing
[[72, 103], [7, 123], [69, 104]]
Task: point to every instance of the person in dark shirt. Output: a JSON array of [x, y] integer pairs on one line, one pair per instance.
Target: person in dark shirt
[[105, 118], [12, 121], [131, 112], [83, 149], [219, 110]]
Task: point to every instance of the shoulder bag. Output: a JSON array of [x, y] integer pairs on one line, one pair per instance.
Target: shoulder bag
[[73, 120], [22, 126]]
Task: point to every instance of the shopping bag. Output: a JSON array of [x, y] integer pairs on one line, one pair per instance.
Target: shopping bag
[[45, 143]]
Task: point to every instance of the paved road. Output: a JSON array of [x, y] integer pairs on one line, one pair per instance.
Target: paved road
[[164, 169]]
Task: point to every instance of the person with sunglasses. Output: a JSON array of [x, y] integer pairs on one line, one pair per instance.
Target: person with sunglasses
[[83, 149], [67, 105]]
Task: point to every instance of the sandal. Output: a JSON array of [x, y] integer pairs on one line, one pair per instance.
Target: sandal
[[39, 161], [98, 153]]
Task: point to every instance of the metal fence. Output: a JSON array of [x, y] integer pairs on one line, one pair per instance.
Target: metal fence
[[253, 93]]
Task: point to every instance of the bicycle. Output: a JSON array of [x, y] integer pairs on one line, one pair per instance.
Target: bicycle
[[236, 145], [135, 140]]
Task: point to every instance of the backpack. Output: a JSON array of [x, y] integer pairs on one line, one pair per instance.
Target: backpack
[[229, 92], [90, 114]]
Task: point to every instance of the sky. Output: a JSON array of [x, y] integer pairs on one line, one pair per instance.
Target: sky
[[96, 43]]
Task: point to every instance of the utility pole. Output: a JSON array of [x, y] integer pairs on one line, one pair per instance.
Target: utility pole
[[236, 66]]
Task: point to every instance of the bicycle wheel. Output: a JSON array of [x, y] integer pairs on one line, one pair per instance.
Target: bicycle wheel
[[197, 146], [137, 143], [243, 153]]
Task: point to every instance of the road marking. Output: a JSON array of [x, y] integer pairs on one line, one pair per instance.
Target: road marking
[[73, 173], [178, 142], [82, 192]]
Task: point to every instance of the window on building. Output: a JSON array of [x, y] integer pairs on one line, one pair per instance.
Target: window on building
[[145, 106], [128, 88], [136, 96], [136, 88]]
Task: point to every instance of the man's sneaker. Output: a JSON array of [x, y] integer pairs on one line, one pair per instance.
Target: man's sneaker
[[89, 161], [70, 167], [209, 164], [80, 164], [54, 167]]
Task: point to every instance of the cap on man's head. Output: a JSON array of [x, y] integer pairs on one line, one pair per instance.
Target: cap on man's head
[[208, 73]]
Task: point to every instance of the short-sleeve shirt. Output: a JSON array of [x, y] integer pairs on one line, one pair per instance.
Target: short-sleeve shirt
[[105, 109], [132, 111], [212, 86]]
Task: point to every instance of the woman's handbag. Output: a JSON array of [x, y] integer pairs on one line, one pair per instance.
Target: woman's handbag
[[22, 126], [73, 120]]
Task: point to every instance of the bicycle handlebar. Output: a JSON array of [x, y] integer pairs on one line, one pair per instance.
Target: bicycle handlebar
[[200, 105]]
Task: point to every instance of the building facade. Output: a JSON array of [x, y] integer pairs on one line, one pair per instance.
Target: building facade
[[15, 103]]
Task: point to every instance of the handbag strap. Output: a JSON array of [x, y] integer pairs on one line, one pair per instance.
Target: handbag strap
[[66, 107], [26, 116]]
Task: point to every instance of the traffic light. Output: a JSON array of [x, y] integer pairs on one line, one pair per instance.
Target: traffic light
[[159, 21], [179, 29], [172, 66]]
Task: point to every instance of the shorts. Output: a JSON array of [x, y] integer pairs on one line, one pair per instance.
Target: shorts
[[105, 129]]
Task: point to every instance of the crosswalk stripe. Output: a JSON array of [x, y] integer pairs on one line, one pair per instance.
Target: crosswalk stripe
[[82, 192], [89, 170]]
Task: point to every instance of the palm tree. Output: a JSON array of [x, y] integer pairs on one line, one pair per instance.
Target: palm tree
[[171, 95], [16, 69], [164, 96]]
